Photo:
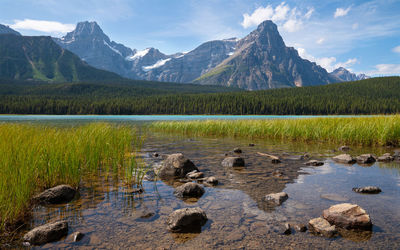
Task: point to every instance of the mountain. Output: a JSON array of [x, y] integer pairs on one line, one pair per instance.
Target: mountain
[[346, 76], [186, 67], [7, 30], [262, 61], [39, 57]]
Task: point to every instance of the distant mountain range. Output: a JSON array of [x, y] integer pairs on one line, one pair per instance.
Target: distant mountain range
[[346, 76], [259, 61]]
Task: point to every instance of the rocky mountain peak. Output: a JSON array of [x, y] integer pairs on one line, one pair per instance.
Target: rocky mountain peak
[[7, 30], [345, 75], [86, 30]]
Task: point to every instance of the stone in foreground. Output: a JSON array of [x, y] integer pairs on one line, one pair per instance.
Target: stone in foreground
[[348, 216], [386, 157], [233, 162], [344, 158], [189, 189], [47, 233], [56, 195], [176, 165], [187, 220], [366, 159], [367, 190], [314, 163], [277, 198], [322, 227]]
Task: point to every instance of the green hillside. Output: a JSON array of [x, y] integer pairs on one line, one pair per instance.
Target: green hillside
[[40, 58], [371, 96]]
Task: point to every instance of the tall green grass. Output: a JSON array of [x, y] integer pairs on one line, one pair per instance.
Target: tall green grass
[[36, 157], [379, 130]]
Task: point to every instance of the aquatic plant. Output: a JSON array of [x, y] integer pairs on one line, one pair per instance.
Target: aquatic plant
[[375, 130], [33, 158]]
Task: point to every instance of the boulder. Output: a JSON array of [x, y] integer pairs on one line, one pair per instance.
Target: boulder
[[187, 220], [47, 233], [195, 175], [176, 165], [277, 198], [237, 150], [56, 195], [367, 190], [322, 227], [366, 159], [189, 189], [344, 148], [386, 157], [348, 216], [314, 163], [233, 162], [344, 158]]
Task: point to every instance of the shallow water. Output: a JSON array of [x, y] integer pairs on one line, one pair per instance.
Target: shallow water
[[111, 216]]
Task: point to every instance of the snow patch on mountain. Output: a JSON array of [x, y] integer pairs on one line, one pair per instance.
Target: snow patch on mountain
[[138, 54], [113, 49], [159, 63]]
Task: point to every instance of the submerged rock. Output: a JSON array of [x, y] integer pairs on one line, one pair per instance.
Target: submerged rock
[[187, 220], [386, 157], [233, 162], [367, 190], [366, 159], [189, 189], [348, 216], [56, 195], [237, 150], [176, 165], [321, 226], [314, 163], [334, 197], [277, 198], [47, 233], [195, 175], [344, 158]]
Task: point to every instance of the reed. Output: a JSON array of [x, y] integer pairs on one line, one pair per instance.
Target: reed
[[33, 158], [375, 130]]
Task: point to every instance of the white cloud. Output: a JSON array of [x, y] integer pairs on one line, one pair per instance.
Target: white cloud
[[385, 69], [396, 49], [290, 19], [341, 12], [43, 26], [321, 40], [328, 63]]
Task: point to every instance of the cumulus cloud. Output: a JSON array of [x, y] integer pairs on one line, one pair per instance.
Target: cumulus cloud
[[385, 69], [341, 12], [43, 26], [328, 63], [396, 49], [290, 19]]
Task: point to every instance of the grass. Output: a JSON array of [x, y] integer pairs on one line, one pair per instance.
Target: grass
[[379, 130], [33, 158]]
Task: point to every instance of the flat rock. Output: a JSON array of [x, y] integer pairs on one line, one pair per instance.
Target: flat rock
[[321, 226], [344, 158], [277, 198], [314, 163], [386, 157], [233, 162], [176, 165], [348, 216], [366, 159], [189, 189], [367, 190], [334, 197], [187, 220], [195, 175], [56, 195], [47, 233]]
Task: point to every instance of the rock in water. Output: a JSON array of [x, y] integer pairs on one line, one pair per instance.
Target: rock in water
[[195, 175], [47, 233], [366, 159], [176, 165], [348, 216], [187, 220], [300, 227], [277, 198], [237, 150], [386, 157], [56, 195], [233, 162], [211, 180], [189, 189], [314, 163], [344, 158], [344, 148], [367, 190], [77, 236], [287, 229], [322, 226]]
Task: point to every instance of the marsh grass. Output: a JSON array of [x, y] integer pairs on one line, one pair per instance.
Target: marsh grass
[[33, 158], [365, 131]]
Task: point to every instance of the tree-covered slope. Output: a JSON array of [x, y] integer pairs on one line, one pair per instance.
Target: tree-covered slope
[[40, 58]]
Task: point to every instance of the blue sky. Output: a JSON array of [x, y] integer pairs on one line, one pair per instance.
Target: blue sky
[[363, 36]]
